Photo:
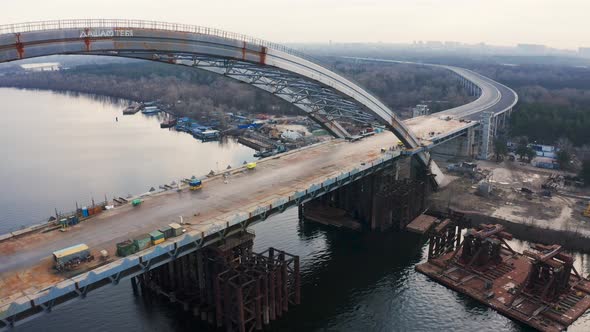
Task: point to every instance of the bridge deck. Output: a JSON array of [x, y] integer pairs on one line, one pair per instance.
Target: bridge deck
[[25, 265]]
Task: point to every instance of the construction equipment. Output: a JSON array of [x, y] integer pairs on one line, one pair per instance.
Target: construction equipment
[[195, 184], [70, 257]]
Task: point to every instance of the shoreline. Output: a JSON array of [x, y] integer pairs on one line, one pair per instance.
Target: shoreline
[[570, 240]]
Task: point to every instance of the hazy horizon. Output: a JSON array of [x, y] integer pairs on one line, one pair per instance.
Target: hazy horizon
[[501, 22]]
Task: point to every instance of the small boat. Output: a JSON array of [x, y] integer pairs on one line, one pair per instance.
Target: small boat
[[168, 123], [131, 109], [150, 110]]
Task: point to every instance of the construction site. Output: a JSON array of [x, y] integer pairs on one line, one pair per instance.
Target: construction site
[[523, 198]]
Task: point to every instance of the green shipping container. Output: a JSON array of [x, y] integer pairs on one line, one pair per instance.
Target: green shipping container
[[126, 248], [142, 242], [156, 235]]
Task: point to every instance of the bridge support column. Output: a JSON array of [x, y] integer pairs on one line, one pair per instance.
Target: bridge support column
[[377, 202], [462, 146], [487, 134], [229, 285]]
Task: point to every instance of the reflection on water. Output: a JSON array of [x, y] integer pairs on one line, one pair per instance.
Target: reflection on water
[[62, 148]]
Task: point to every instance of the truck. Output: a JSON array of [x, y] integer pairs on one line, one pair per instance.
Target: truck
[[71, 257], [195, 184]]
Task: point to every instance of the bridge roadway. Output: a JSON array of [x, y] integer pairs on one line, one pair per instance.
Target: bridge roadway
[[26, 264], [495, 97]]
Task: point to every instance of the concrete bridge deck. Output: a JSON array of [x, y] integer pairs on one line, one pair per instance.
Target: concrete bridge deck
[[26, 263]]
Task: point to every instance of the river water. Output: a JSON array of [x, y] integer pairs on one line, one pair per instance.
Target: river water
[[61, 149]]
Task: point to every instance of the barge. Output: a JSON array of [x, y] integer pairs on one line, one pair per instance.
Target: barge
[[132, 109], [539, 287]]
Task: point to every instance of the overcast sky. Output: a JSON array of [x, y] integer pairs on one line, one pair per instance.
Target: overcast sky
[[557, 23]]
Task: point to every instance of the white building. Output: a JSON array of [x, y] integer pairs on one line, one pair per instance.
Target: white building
[[420, 110]]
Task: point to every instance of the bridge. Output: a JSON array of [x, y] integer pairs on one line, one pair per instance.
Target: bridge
[[487, 113], [228, 204]]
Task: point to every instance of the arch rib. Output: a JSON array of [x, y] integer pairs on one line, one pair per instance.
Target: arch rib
[[325, 96]]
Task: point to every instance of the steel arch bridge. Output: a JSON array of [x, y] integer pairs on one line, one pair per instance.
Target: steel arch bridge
[[323, 95]]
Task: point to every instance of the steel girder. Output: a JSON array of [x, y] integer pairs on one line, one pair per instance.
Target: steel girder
[[320, 103]]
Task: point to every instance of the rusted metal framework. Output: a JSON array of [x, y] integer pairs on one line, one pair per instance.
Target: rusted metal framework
[[229, 286], [540, 287], [377, 202]]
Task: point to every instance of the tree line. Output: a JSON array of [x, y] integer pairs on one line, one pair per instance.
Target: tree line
[[204, 94]]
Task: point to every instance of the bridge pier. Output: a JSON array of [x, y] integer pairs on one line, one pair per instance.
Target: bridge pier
[[462, 146], [378, 202], [228, 285]]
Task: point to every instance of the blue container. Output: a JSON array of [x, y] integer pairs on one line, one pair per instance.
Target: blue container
[[84, 212], [73, 220]]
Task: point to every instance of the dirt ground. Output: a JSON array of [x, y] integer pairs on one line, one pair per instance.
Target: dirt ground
[[563, 210]]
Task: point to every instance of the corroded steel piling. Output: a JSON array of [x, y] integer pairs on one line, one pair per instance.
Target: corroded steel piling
[[230, 286]]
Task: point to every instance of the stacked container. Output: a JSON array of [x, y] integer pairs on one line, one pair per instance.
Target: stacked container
[[167, 231], [176, 229], [157, 237], [126, 248], [143, 241]]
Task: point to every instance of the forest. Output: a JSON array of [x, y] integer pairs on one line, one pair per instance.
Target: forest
[[400, 87], [554, 99]]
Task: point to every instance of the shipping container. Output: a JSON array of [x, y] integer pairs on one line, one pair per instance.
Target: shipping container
[[69, 254], [176, 229], [167, 231], [157, 237], [84, 212], [143, 241], [126, 248]]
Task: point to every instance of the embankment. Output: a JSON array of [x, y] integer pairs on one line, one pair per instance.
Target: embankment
[[569, 239]]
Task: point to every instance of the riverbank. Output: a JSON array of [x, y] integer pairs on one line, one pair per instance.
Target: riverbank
[[520, 201]]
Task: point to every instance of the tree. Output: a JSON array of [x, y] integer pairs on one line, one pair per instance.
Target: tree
[[500, 148], [563, 158], [530, 154], [585, 172], [521, 150]]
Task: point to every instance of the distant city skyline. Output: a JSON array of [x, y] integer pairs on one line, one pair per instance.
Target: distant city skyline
[[556, 24]]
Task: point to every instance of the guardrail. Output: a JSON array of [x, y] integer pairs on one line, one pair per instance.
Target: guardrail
[[145, 24]]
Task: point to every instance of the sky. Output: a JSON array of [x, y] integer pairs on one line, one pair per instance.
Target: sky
[[556, 23]]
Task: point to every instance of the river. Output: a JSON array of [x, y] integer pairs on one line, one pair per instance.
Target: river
[[60, 149]]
